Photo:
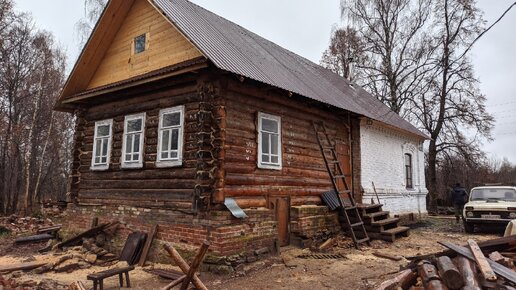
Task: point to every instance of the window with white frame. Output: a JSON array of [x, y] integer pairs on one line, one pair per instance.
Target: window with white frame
[[269, 141], [102, 145], [132, 147], [170, 137]]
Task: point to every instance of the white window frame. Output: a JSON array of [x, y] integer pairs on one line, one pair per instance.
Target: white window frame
[[138, 163], [102, 166], [179, 160], [268, 165]]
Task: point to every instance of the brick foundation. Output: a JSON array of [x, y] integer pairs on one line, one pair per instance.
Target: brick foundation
[[309, 220]]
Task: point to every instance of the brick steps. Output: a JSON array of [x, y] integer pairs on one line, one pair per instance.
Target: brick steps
[[380, 225]]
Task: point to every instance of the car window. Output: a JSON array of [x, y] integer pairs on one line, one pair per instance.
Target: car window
[[493, 194]]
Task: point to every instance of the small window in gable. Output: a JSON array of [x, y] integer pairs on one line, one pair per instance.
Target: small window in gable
[[170, 137], [408, 171], [140, 43], [132, 150], [102, 145], [269, 141]]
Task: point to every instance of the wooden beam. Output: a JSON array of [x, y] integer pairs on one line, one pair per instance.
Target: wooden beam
[[181, 263], [148, 244], [482, 262], [22, 266], [195, 264], [449, 273]]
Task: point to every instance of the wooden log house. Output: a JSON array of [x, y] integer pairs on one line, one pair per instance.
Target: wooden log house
[[179, 110]]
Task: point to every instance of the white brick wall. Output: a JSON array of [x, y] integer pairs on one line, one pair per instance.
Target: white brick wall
[[383, 152]]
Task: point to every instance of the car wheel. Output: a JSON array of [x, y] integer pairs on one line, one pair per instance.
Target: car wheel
[[469, 227]]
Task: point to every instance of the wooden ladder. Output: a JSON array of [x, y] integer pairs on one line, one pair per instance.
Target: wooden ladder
[[329, 154]]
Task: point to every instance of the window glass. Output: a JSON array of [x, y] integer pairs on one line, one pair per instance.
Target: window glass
[[270, 125], [103, 131], [134, 125], [172, 119], [102, 141], [139, 43], [133, 141]]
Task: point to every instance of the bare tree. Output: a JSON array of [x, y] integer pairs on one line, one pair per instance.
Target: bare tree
[[346, 48], [396, 47], [92, 11], [452, 107]]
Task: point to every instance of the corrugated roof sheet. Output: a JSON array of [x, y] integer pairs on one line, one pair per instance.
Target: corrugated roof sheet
[[235, 49]]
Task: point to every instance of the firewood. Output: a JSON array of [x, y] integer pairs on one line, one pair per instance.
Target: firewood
[[481, 260], [404, 279], [497, 257], [388, 256], [428, 274], [468, 271], [449, 273], [327, 244]]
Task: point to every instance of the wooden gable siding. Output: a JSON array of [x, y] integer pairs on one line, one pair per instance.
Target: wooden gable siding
[[303, 176], [149, 186], [166, 46]]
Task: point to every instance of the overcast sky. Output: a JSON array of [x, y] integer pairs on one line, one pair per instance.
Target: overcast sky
[[304, 26]]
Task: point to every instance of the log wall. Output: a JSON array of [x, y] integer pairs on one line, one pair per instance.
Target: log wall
[[303, 176]]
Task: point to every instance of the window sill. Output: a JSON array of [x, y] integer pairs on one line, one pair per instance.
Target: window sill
[[169, 163], [131, 165], [269, 166], [99, 167]]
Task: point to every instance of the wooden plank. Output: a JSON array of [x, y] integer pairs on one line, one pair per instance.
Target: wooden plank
[[175, 283], [148, 244], [500, 270], [195, 264], [482, 262], [21, 266], [86, 234]]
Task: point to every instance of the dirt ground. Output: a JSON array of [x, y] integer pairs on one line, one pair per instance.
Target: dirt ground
[[358, 269]]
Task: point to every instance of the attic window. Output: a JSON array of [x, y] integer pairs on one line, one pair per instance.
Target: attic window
[[139, 43]]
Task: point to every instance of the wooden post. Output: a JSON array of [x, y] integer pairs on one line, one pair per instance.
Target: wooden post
[[184, 266], [449, 273], [481, 260], [195, 264], [175, 283], [148, 245], [467, 268], [94, 222]]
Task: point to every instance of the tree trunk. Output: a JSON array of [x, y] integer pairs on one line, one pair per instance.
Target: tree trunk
[[432, 177], [37, 184]]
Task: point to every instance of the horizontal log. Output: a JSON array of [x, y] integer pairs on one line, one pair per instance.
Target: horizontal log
[[169, 173], [235, 191], [468, 271], [449, 273], [138, 194], [272, 180], [136, 184], [158, 204]]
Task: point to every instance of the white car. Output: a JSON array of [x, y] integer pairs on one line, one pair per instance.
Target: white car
[[490, 205]]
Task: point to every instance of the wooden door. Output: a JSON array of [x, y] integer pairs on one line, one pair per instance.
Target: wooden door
[[281, 207]]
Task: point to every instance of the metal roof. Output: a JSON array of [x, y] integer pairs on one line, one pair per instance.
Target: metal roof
[[235, 49]]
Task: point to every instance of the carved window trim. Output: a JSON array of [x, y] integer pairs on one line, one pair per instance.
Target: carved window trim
[[99, 164], [269, 134], [141, 134]]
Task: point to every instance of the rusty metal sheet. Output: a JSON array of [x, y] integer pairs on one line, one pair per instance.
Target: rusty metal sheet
[[235, 49]]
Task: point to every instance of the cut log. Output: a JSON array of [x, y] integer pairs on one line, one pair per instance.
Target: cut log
[[481, 260], [181, 263], [148, 244], [500, 270], [388, 256], [404, 279], [428, 274], [34, 239], [175, 283], [449, 273], [195, 264], [22, 266], [497, 257], [468, 271]]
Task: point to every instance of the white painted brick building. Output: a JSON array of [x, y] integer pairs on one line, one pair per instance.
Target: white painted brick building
[[393, 159]]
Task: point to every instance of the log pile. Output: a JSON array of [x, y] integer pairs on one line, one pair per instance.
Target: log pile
[[486, 265]]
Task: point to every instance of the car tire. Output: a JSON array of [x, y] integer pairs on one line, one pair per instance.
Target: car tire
[[469, 227]]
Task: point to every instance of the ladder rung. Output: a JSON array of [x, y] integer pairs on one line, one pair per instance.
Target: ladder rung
[[339, 176], [328, 148], [356, 224], [350, 208], [334, 161], [363, 240]]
